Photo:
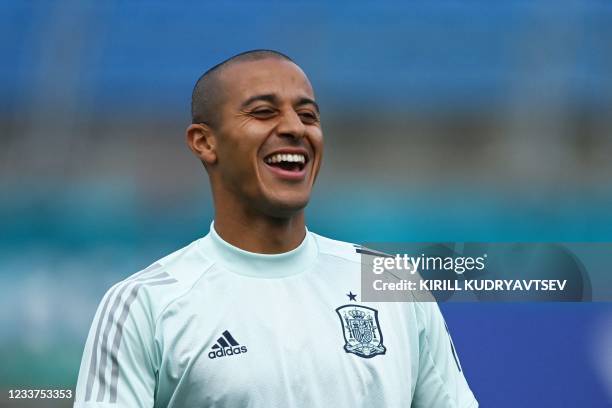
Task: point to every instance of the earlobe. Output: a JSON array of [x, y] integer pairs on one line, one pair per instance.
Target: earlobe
[[202, 142]]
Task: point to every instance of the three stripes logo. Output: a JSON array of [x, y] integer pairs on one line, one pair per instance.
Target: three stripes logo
[[103, 372], [226, 346]]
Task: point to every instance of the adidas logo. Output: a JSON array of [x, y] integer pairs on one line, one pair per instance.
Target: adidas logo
[[226, 346]]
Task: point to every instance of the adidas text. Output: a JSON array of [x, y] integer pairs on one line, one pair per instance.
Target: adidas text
[[227, 351]]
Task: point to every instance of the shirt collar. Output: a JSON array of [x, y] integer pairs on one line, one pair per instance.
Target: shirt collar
[[257, 265]]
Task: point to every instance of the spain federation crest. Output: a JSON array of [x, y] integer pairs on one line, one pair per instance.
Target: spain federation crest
[[362, 335]]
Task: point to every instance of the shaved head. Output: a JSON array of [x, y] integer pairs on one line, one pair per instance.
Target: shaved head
[[207, 93]]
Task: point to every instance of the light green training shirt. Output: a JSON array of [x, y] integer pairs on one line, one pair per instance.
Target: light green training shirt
[[212, 325]]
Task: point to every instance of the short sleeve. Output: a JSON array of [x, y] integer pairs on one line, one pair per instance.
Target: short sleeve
[[118, 366], [440, 382]]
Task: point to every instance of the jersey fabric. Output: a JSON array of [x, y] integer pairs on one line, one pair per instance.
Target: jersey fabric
[[212, 325]]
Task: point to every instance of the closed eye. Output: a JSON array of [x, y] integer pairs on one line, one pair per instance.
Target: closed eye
[[263, 113], [308, 118]]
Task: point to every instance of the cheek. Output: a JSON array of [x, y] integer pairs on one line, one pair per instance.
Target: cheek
[[233, 164], [241, 164], [320, 145], [316, 137], [317, 142], [240, 148]]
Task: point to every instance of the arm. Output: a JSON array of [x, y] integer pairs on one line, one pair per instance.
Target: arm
[[117, 368], [440, 383]]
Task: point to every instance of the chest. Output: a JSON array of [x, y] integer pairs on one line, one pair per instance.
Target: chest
[[287, 346]]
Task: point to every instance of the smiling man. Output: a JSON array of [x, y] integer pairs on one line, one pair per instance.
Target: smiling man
[[262, 312]]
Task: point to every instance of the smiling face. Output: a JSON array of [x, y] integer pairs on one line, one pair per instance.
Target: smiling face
[[267, 146]]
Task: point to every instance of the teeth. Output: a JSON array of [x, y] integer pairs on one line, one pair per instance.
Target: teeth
[[292, 158]]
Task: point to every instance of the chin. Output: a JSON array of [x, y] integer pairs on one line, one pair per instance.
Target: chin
[[285, 207]]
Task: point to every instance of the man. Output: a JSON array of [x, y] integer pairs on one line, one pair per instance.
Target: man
[[261, 312]]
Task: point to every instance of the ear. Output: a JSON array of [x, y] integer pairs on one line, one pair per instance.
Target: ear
[[202, 142]]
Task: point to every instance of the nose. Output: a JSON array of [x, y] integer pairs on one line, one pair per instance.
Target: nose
[[291, 125]]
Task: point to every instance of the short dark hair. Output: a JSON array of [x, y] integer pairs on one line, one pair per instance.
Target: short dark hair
[[205, 98]]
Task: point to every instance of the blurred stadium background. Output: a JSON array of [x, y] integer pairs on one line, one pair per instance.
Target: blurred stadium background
[[444, 121]]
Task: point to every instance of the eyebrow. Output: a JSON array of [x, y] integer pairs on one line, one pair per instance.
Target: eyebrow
[[308, 101], [272, 98]]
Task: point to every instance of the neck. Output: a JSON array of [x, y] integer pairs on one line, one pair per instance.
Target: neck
[[260, 233]]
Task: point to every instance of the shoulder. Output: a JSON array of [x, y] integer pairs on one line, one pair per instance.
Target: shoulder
[[165, 280], [346, 250], [338, 249]]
